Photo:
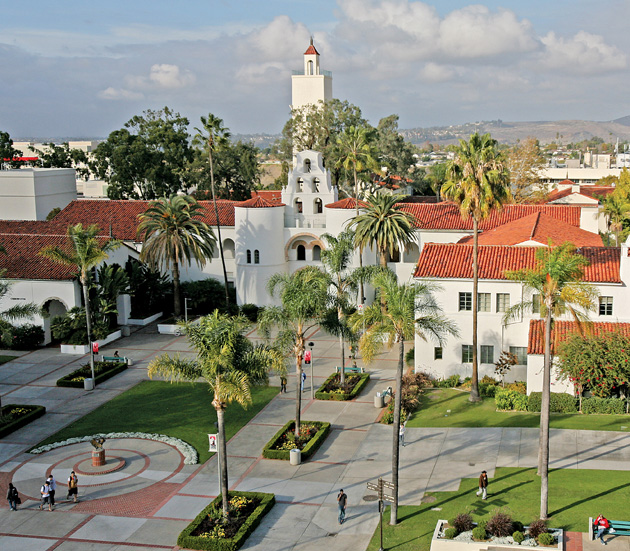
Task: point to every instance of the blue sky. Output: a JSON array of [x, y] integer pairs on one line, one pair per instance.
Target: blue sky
[[83, 69]]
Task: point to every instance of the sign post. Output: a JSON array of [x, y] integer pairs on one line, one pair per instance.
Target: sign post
[[379, 488]]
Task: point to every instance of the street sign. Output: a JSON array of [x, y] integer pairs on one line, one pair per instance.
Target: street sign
[[374, 487], [388, 498], [389, 485]]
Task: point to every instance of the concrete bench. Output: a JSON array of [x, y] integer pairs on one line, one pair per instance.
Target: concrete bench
[[619, 527], [352, 369], [115, 359]]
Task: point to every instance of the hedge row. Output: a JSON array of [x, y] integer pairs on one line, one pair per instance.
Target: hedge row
[[107, 371], [187, 541], [307, 451], [559, 402], [341, 396], [615, 406], [9, 426]]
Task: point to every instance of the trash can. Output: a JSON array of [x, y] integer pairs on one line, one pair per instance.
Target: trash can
[[125, 330], [129, 361], [295, 456], [88, 383], [379, 400]]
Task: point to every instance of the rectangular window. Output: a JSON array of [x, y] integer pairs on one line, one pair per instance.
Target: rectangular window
[[503, 302], [437, 353], [466, 353], [605, 306], [487, 354], [521, 354], [465, 301], [536, 304], [483, 302]]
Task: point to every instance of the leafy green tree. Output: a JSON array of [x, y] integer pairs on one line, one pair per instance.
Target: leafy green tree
[[229, 363], [148, 158], [478, 183], [173, 233], [410, 310], [8, 152], [525, 163], [437, 177], [616, 208], [556, 279], [62, 156], [85, 250], [383, 226], [303, 297]]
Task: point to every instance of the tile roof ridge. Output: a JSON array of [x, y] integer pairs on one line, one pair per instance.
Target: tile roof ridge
[[533, 232]]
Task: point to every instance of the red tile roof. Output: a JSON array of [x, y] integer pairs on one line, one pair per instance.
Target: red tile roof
[[258, 203], [311, 50], [595, 192], [348, 203], [537, 227], [440, 260], [561, 330], [271, 195]]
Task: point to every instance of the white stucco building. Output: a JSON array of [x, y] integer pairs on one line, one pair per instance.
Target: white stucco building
[[312, 84]]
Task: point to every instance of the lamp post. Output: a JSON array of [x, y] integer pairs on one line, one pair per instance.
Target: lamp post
[[311, 345]]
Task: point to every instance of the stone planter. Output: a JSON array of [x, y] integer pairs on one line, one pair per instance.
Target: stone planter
[[98, 458], [443, 544], [81, 349], [172, 328], [144, 321]]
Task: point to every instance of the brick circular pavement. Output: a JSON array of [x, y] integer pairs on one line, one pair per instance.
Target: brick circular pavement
[[85, 467]]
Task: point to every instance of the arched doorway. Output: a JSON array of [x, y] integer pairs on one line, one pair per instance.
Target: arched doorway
[[54, 308]]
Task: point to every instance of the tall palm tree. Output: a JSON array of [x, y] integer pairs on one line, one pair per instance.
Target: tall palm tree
[[616, 208], [343, 284], [478, 182], [384, 226], [410, 309], [303, 297], [85, 251], [557, 281], [229, 363], [173, 232], [214, 133]]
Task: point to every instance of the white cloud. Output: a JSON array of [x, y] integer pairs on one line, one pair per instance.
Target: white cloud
[[170, 76], [112, 93], [432, 72]]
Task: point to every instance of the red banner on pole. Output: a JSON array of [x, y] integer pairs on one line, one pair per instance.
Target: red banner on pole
[[307, 357], [95, 347]]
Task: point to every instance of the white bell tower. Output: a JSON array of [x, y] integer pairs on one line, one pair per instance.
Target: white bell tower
[[312, 84]]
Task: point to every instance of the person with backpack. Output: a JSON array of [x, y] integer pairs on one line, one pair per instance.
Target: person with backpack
[[73, 486], [602, 525], [52, 484], [45, 493], [13, 498]]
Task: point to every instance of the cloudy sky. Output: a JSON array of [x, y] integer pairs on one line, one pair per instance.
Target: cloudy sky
[[82, 68]]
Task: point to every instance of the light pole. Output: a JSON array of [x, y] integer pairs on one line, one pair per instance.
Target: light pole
[[311, 345], [186, 309]]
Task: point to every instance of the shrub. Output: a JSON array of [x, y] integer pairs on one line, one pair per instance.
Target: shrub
[[269, 451], [517, 526], [21, 337], [487, 380], [537, 527], [518, 536], [487, 390], [603, 405], [206, 295], [71, 328], [559, 402], [519, 386], [462, 522], [479, 533], [388, 416], [15, 416], [546, 539], [520, 402], [412, 386], [508, 400], [482, 524], [450, 533], [500, 524], [339, 394], [450, 382], [250, 311], [102, 372], [410, 356]]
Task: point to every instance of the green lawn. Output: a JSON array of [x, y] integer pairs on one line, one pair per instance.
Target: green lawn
[[181, 410], [5, 359], [435, 405], [574, 495]]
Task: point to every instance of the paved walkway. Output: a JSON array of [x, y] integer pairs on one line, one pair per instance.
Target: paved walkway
[[145, 504]]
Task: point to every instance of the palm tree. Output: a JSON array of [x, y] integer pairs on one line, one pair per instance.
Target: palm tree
[[384, 226], [343, 284], [410, 309], [229, 363], [478, 182], [616, 208], [303, 296], [173, 232], [85, 251], [556, 281], [214, 133]]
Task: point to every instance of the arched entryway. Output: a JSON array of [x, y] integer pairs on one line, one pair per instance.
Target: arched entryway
[[54, 307]]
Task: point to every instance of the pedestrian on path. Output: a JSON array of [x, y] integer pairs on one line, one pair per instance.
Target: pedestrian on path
[[342, 501], [13, 498], [483, 485], [283, 384], [53, 488], [303, 380], [45, 493], [401, 434], [73, 486], [602, 525]]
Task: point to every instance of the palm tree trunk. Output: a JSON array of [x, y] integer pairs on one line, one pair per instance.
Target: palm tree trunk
[[223, 459], [342, 380], [393, 520], [543, 453], [298, 398], [356, 213], [88, 322], [216, 214], [474, 382], [177, 301]]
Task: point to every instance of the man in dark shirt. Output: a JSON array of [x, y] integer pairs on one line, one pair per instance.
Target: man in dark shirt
[[342, 500]]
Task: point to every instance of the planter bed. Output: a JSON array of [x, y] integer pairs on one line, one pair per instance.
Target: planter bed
[[81, 349], [170, 326], [307, 448], [102, 372], [197, 534], [23, 416], [355, 383], [144, 321]]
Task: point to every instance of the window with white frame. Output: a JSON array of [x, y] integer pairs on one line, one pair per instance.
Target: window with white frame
[[486, 354], [521, 354], [503, 302], [465, 301], [467, 353], [605, 306], [483, 302]]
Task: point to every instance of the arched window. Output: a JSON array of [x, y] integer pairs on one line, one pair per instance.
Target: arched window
[[249, 256], [228, 248], [315, 185], [317, 206], [300, 185], [317, 252], [301, 252], [307, 165], [298, 206], [309, 68], [256, 257]]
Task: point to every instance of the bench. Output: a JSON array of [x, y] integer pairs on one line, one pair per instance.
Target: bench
[[352, 369], [115, 359], [620, 527]]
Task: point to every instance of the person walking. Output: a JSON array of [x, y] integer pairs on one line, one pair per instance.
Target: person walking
[[73, 487], [12, 497], [45, 493], [483, 485], [303, 381], [283, 384], [53, 488], [602, 525], [342, 501], [401, 435]]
